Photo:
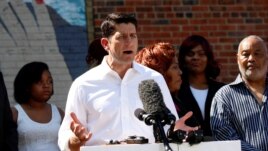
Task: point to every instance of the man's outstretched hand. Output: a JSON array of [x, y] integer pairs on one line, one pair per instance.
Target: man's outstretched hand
[[180, 124], [81, 134]]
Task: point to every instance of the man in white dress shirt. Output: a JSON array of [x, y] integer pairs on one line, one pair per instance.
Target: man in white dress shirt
[[101, 102]]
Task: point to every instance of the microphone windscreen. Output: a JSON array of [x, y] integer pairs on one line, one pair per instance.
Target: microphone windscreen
[[151, 97]]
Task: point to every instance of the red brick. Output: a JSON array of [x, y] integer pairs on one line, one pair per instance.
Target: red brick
[[125, 9], [210, 2], [200, 8], [227, 27], [236, 8], [161, 34], [226, 40], [235, 21], [208, 27], [219, 21], [198, 21], [261, 27], [144, 9], [150, 28], [171, 28], [132, 2], [190, 28], [218, 33], [179, 21]]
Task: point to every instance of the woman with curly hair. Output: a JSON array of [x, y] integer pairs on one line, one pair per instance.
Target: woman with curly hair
[[162, 58]]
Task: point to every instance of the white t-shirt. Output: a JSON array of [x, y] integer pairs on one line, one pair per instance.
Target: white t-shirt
[[200, 96], [105, 104]]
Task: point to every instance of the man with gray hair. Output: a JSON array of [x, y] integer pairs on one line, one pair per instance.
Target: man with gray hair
[[239, 110]]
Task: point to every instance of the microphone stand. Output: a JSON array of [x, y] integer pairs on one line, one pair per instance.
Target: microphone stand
[[160, 135]]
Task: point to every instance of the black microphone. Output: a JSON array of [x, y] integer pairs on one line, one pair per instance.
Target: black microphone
[[149, 119], [153, 102]]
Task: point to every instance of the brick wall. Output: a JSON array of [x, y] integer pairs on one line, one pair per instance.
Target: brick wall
[[223, 22]]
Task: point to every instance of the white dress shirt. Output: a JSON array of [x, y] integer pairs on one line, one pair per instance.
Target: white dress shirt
[[105, 104]]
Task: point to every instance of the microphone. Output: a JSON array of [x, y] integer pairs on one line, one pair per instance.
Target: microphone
[[153, 102], [154, 106], [149, 119]]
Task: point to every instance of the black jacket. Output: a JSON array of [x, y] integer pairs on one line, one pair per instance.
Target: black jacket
[[8, 128], [185, 102]]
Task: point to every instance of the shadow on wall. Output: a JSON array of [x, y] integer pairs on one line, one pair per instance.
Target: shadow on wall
[[26, 24]]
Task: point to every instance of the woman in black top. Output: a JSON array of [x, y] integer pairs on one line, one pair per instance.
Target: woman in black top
[[199, 85]]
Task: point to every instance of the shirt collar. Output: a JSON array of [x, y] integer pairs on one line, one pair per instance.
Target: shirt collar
[[135, 66], [105, 65], [239, 80], [138, 67]]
